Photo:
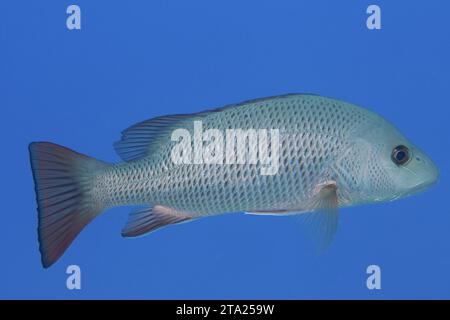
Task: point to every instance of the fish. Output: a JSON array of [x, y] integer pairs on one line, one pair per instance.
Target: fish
[[300, 154]]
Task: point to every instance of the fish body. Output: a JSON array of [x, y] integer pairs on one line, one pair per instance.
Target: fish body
[[320, 154], [317, 135]]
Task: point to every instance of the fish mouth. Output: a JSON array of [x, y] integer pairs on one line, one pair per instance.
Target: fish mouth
[[420, 187], [428, 177]]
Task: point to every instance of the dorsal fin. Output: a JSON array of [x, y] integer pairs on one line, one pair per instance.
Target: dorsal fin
[[140, 139]]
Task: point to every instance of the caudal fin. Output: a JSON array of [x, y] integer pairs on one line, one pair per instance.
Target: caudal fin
[[62, 181]]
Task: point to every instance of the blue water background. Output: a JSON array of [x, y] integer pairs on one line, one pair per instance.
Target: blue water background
[[134, 60]]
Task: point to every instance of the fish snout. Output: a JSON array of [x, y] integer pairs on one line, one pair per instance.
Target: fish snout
[[430, 175], [426, 172]]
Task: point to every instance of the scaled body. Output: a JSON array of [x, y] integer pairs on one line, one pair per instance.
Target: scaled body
[[330, 154]]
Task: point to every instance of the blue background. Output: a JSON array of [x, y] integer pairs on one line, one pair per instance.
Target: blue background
[[134, 60]]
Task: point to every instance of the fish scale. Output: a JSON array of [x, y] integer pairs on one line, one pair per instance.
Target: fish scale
[[313, 131], [331, 154]]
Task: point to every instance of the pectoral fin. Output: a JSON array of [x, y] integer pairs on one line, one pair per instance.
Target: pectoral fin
[[322, 221], [320, 215]]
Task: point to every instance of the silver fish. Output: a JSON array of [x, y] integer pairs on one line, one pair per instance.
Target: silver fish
[[330, 154]]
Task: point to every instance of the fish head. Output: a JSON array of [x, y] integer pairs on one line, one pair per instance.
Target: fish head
[[395, 167]]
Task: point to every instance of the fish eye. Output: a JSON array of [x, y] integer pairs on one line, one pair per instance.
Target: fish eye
[[400, 155]]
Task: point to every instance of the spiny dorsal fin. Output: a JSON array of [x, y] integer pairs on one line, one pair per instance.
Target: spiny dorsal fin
[[146, 220], [141, 139]]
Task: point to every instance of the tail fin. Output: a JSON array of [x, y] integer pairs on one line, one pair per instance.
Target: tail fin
[[62, 182]]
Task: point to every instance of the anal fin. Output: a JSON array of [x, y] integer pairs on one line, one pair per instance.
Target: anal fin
[[149, 219]]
